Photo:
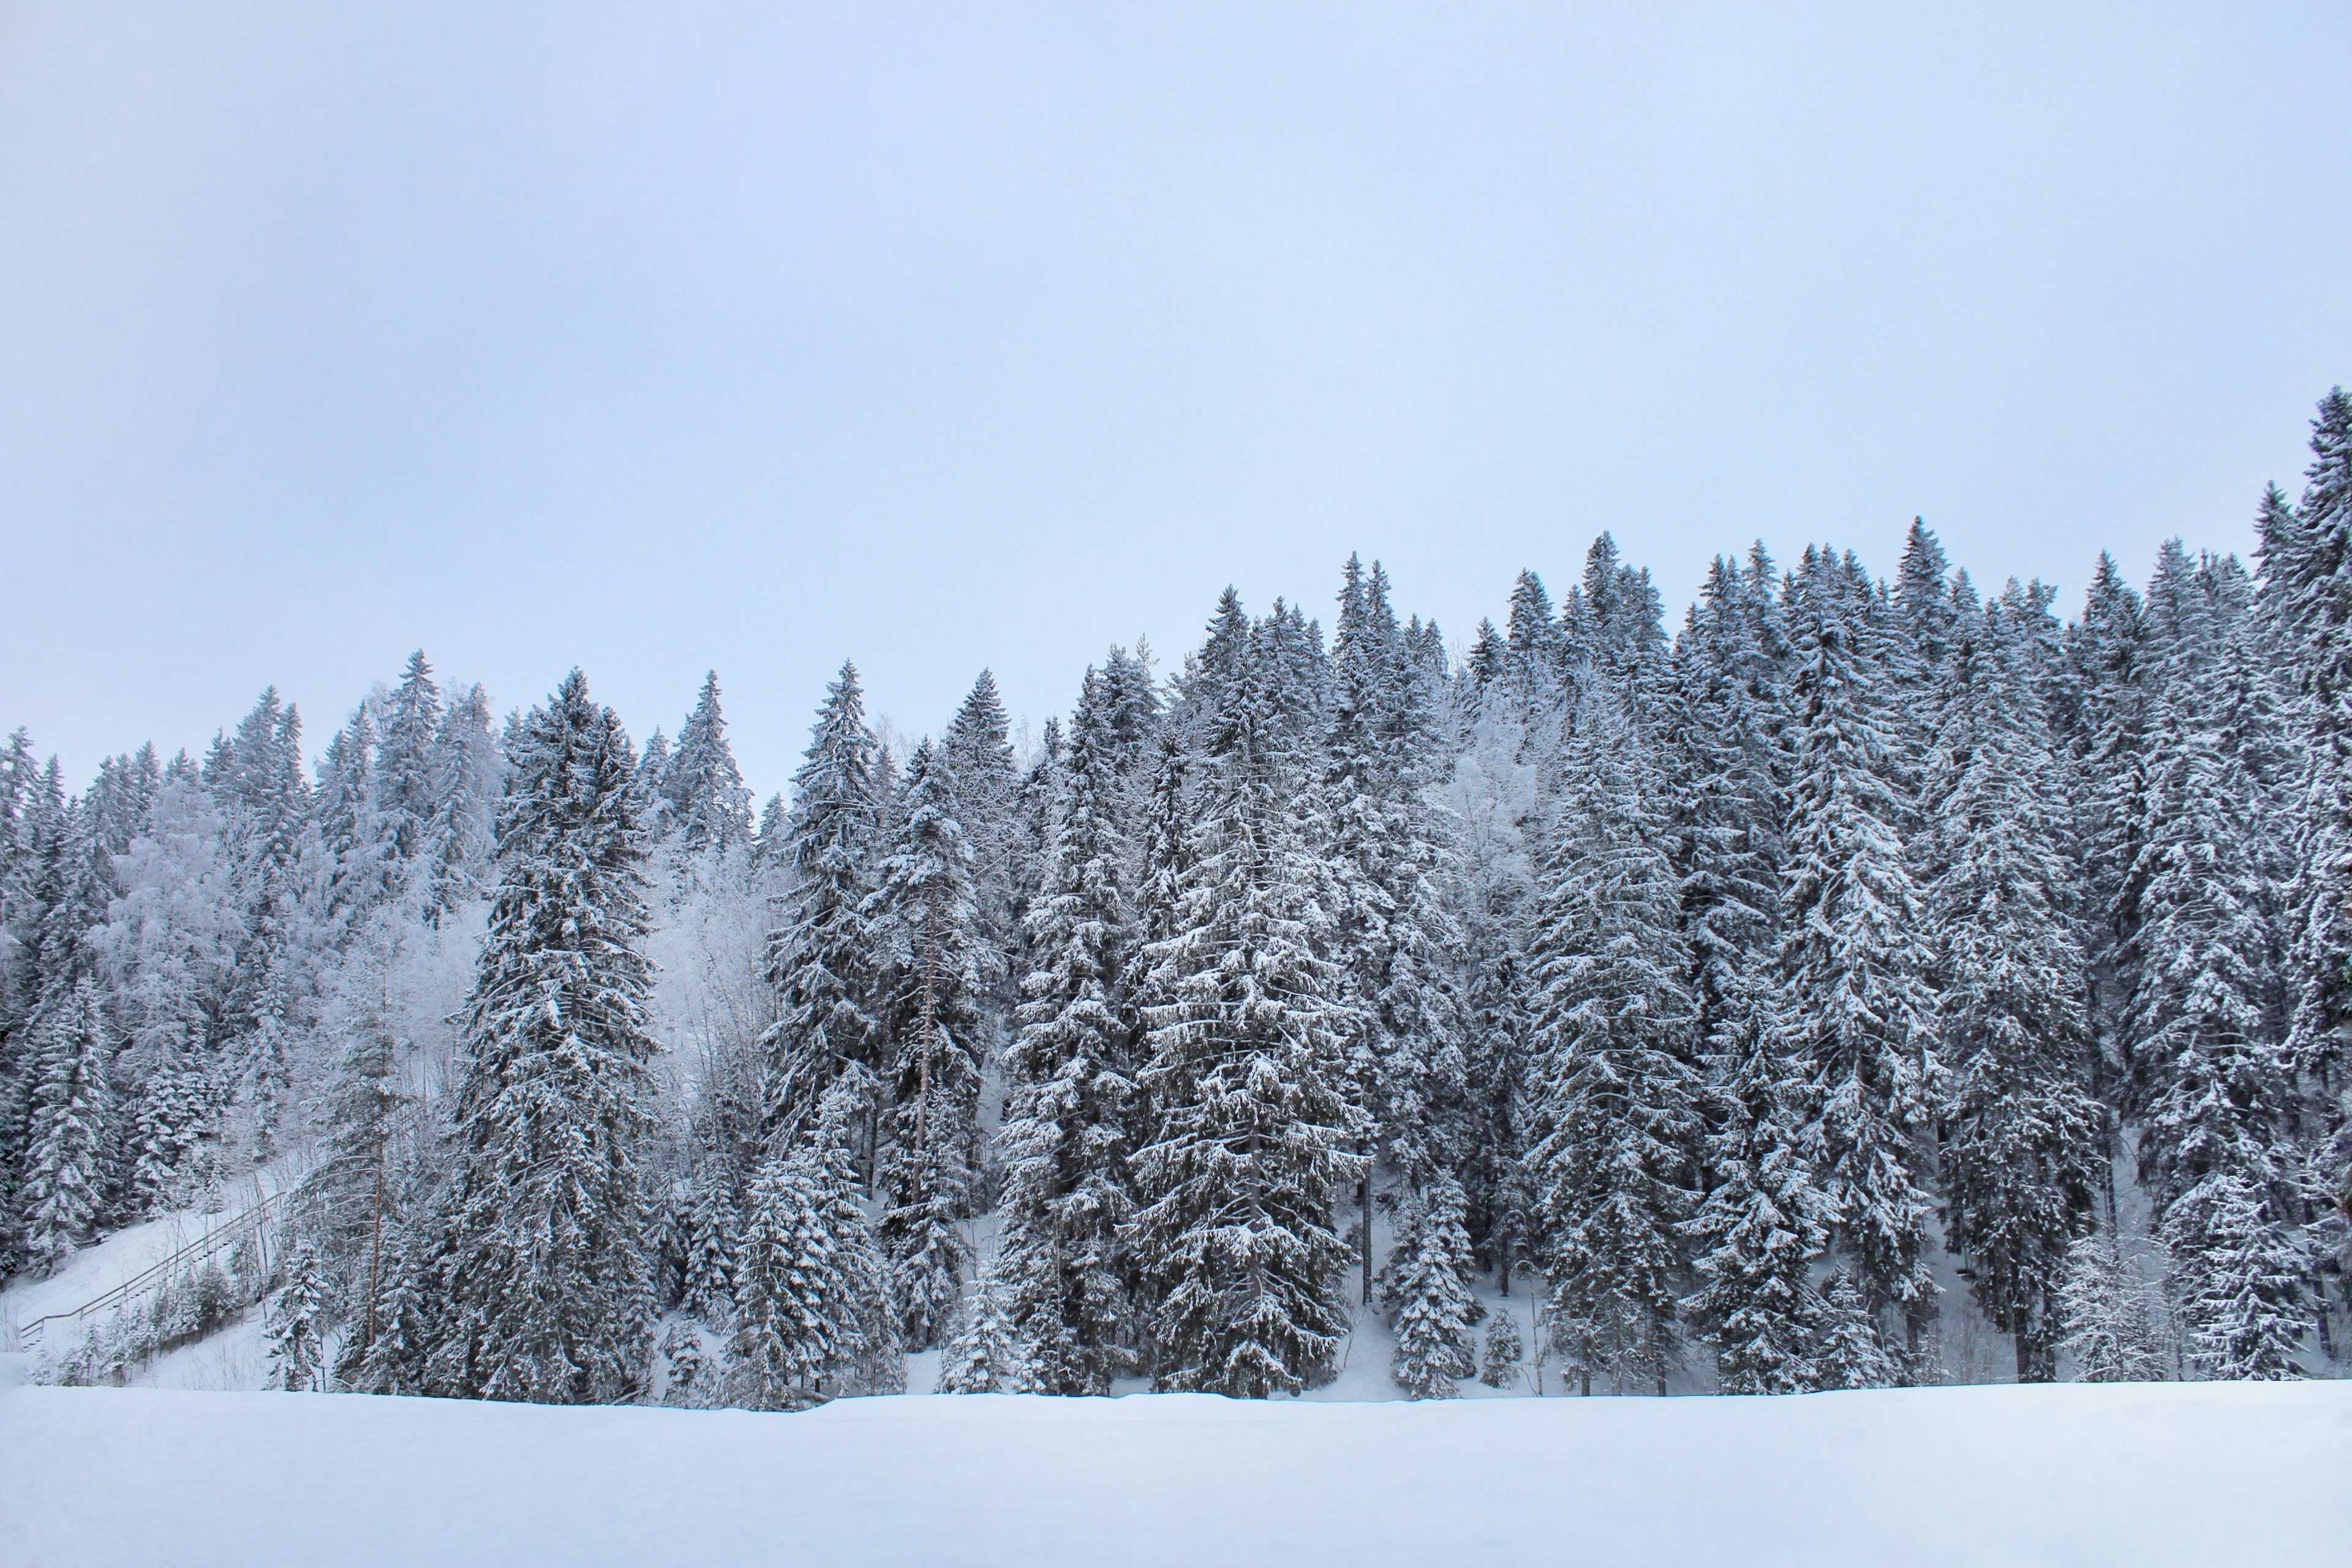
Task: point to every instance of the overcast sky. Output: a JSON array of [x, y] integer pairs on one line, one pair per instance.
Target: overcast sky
[[670, 337]]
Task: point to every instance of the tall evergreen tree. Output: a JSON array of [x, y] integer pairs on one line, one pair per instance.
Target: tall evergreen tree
[[64, 1178], [1235, 1236], [407, 785], [1617, 1128], [2022, 1136], [1853, 962], [1071, 1105], [823, 958], [937, 969], [547, 1295], [704, 801]]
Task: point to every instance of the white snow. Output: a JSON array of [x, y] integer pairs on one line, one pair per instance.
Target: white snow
[[2203, 1474]]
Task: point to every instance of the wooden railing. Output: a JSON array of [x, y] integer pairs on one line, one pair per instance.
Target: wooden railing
[[252, 1225]]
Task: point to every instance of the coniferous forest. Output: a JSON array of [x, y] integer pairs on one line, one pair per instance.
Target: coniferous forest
[[1773, 1001]]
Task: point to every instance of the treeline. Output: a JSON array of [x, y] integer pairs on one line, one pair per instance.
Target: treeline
[[1712, 988]]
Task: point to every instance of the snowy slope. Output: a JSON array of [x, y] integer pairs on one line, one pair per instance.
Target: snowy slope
[[2204, 1474]]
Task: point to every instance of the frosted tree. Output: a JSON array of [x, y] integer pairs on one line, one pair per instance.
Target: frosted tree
[[1234, 1237], [546, 1275], [2207, 1064], [984, 780], [1071, 1107], [705, 803], [812, 1313], [1853, 964], [1759, 1228], [469, 772], [395, 1357], [360, 1118], [823, 957], [2023, 1138], [407, 785], [927, 926], [1505, 1348], [692, 1384], [1425, 1288], [714, 1239], [1617, 1127], [296, 1324], [2109, 1316], [1851, 1354], [987, 1354], [64, 1175]]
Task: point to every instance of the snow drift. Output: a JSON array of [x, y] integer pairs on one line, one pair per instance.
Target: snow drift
[[2201, 1474]]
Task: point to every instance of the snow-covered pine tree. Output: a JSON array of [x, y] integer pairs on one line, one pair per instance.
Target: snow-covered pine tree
[[812, 1316], [1505, 1348], [705, 803], [349, 835], [64, 1181], [1426, 1289], [1853, 960], [1851, 1354], [396, 1358], [2306, 558], [692, 1381], [2022, 1136], [469, 772], [1071, 1102], [407, 787], [1759, 1228], [2109, 1316], [1252, 1148], [988, 1353], [1616, 1130], [296, 1321], [2207, 1064], [822, 959], [937, 971], [548, 1294], [984, 780], [353, 1186], [714, 1240]]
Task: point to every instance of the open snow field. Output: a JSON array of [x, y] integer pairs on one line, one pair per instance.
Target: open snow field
[[2207, 1474]]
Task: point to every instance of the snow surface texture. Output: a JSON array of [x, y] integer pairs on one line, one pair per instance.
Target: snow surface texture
[[2204, 1474]]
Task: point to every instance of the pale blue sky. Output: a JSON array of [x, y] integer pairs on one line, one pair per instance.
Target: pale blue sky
[[670, 337]]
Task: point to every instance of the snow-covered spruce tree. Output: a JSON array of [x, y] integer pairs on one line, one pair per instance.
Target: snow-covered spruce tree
[[1851, 1354], [705, 803], [1070, 1109], [1853, 960], [692, 1384], [64, 1181], [547, 1290], [296, 1321], [2243, 1294], [2209, 1065], [1759, 1228], [985, 779], [1616, 1129], [395, 1357], [714, 1240], [2306, 558], [361, 1114], [1426, 1290], [936, 969], [1392, 934], [469, 772], [407, 785], [2109, 1316], [1505, 1348], [812, 1314], [2023, 1138], [1235, 1237], [988, 1353], [822, 959]]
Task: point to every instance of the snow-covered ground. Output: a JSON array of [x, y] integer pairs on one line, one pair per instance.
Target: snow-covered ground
[[2203, 1474]]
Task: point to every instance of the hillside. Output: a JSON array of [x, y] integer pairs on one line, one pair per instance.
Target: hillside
[[2189, 1474]]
